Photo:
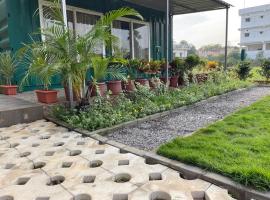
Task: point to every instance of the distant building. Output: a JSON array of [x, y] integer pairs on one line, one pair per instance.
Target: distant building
[[215, 50], [255, 30], [180, 50]]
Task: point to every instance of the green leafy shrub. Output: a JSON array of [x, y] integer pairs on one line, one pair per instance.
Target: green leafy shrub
[[265, 69], [243, 70]]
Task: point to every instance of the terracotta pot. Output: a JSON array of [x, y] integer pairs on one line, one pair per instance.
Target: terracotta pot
[[102, 89], [143, 81], [115, 87], [174, 81], [47, 96], [9, 89], [130, 85]]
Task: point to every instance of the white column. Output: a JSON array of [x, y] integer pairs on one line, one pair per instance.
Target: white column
[[167, 39]]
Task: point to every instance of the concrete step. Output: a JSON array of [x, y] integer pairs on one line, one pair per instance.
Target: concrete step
[[14, 111]]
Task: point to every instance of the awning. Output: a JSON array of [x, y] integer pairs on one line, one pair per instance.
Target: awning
[[178, 7]]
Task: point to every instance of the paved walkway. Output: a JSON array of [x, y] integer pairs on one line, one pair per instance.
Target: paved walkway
[[40, 161], [150, 135]]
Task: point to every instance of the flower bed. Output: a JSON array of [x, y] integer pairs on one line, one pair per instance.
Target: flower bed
[[106, 112]]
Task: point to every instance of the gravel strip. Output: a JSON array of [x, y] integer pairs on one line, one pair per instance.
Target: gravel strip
[[149, 135]]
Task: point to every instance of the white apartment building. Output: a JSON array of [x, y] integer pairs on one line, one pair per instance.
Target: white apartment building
[[255, 30]]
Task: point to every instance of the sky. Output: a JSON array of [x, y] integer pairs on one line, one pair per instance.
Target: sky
[[209, 27]]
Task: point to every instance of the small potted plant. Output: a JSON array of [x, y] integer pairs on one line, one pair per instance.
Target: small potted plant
[[8, 66], [154, 70], [132, 67], [41, 67], [177, 71], [190, 62], [115, 84], [163, 71], [143, 67]]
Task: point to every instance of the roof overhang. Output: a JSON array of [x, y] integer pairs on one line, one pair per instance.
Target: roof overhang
[[179, 7]]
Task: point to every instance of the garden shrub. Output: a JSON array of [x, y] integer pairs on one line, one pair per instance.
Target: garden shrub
[[265, 69], [243, 70], [106, 112]]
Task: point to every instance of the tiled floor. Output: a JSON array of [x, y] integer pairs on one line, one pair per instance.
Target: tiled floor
[[40, 161]]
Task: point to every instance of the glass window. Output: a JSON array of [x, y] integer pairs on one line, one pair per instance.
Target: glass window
[[141, 41], [247, 34], [121, 29], [248, 19], [85, 22]]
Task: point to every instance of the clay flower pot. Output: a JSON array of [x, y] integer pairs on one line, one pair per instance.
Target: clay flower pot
[[174, 81], [9, 89], [102, 89], [130, 86], [143, 82], [47, 96], [115, 87]]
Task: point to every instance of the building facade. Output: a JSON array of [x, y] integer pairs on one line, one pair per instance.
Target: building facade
[[180, 50], [255, 30], [138, 39]]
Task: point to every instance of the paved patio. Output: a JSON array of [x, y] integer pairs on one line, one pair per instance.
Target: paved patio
[[41, 161]]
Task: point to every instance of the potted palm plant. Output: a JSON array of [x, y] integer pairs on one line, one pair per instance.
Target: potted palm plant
[[41, 66], [8, 66], [115, 83], [74, 54], [98, 85], [177, 71]]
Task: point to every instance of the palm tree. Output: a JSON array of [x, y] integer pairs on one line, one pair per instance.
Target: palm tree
[[7, 66], [73, 54]]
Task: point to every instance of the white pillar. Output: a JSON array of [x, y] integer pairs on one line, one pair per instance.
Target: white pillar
[[167, 39]]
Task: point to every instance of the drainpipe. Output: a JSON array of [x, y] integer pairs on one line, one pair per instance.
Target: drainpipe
[[167, 39], [70, 91], [226, 39]]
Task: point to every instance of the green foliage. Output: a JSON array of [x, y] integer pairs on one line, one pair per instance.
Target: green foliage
[[265, 69], [237, 147], [178, 67], [8, 66], [40, 66], [108, 112], [192, 61], [243, 70]]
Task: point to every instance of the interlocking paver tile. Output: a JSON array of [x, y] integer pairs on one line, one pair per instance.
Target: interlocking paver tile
[[41, 161]]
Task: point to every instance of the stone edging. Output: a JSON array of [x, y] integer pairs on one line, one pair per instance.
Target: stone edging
[[237, 190]]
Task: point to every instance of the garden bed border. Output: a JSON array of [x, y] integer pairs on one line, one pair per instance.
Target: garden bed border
[[237, 190]]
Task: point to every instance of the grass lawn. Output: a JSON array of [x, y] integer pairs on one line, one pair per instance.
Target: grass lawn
[[237, 147]]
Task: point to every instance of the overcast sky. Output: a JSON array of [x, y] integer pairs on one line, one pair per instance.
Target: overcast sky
[[209, 27]]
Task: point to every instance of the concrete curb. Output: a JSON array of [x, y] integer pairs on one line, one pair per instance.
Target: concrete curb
[[237, 190]]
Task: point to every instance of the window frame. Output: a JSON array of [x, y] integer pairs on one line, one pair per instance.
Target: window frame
[[74, 9]]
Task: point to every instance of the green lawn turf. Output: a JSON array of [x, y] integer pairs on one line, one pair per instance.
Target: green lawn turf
[[237, 147]]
